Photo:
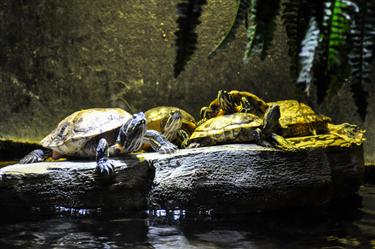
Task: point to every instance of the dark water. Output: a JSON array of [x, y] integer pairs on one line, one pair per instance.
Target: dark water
[[342, 227]]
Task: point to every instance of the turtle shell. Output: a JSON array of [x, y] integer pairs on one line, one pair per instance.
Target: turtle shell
[[298, 119], [236, 127], [156, 117], [72, 133]]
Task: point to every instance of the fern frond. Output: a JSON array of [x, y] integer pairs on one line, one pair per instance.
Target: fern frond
[[362, 53], [262, 24], [295, 16], [241, 14], [307, 56], [188, 12], [337, 21]]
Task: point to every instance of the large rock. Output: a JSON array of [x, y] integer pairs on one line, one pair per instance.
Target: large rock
[[246, 178], [227, 178]]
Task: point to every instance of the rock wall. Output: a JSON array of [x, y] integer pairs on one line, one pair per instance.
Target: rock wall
[[57, 57]]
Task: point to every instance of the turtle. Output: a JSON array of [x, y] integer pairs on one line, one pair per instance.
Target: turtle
[[234, 101], [174, 123], [240, 127], [298, 119], [99, 132]]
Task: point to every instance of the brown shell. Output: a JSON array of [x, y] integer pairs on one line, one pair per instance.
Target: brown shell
[[226, 128], [72, 133], [299, 119]]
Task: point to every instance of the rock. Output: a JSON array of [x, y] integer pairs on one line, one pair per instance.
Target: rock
[[247, 178], [74, 185], [227, 178]]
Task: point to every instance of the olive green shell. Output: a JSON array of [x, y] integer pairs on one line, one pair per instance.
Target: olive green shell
[[156, 117], [298, 119], [236, 127], [71, 134]]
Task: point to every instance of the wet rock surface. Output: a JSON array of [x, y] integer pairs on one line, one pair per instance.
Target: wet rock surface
[[227, 178]]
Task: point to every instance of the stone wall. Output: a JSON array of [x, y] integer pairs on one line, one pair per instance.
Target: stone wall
[[57, 57]]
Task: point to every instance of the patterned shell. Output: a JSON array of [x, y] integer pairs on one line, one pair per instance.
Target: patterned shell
[[157, 115], [299, 119], [72, 133], [223, 125]]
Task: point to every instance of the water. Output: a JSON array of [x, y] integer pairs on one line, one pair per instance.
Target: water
[[343, 227]]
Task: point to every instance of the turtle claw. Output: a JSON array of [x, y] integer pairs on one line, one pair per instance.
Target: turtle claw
[[167, 148], [193, 145], [105, 167], [33, 157]]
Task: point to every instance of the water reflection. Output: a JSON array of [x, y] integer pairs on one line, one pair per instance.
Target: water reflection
[[339, 228]]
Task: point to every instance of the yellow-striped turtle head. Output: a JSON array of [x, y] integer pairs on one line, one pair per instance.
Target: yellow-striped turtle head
[[131, 134]]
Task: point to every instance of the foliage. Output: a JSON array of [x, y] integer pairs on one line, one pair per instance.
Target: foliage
[[307, 55], [261, 27], [241, 15], [325, 39], [362, 38], [188, 13]]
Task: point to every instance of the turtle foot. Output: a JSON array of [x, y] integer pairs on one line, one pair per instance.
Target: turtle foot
[[33, 157], [193, 145], [105, 167], [167, 148]]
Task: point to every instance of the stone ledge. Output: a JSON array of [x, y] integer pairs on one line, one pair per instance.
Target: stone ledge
[[227, 178]]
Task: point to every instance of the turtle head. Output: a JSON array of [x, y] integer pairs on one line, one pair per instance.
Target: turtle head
[[173, 124], [131, 134], [226, 101], [271, 120]]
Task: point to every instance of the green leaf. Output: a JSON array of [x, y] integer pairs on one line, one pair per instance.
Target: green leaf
[[262, 24], [241, 14], [188, 12], [337, 21], [307, 56]]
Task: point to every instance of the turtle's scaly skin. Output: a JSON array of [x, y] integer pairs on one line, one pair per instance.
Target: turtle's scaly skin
[[298, 119], [72, 134], [157, 119], [341, 136], [231, 128]]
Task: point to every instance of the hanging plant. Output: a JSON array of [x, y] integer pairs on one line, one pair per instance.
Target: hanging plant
[[324, 38]]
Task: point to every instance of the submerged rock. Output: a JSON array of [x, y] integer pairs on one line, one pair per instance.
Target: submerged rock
[[227, 178]]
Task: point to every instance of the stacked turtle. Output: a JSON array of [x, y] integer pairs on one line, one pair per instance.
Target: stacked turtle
[[237, 116]]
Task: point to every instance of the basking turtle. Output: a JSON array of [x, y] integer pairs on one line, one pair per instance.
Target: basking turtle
[[240, 127], [174, 123], [298, 119], [232, 102], [87, 133]]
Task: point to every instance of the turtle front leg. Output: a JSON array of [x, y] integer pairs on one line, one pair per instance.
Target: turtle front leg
[[35, 156], [183, 138], [104, 166], [158, 142]]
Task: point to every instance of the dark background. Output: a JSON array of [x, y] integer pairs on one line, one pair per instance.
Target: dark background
[[57, 57]]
